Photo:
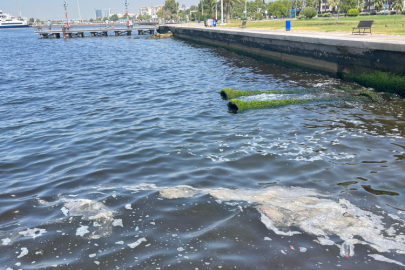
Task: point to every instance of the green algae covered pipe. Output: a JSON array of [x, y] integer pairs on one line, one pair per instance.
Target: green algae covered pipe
[[236, 105], [228, 93]]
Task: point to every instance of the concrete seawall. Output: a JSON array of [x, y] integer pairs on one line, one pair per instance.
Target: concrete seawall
[[327, 52]]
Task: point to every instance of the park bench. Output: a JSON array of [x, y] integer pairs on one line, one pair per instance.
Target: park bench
[[363, 25], [243, 24]]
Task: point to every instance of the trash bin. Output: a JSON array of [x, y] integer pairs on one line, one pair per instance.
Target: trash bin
[[215, 23], [199, 21], [288, 25]]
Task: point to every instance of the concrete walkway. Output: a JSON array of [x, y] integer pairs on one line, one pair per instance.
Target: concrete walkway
[[372, 42]]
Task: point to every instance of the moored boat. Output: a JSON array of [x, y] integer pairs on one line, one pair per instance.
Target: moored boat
[[8, 21]]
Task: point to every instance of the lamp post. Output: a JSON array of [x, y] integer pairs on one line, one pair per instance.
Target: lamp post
[[222, 11], [246, 9]]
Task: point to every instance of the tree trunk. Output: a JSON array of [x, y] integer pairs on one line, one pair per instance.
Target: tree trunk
[[228, 11], [337, 17]]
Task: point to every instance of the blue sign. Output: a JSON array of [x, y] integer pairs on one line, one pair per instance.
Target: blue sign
[[385, 5]]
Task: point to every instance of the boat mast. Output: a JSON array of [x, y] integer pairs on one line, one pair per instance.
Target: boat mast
[[16, 4], [80, 15]]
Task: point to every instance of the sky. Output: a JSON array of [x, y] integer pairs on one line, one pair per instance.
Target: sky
[[53, 9]]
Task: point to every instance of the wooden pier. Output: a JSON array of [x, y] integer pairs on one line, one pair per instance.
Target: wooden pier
[[46, 32]]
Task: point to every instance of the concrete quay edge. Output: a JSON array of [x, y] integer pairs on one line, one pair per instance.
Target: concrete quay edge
[[376, 42]]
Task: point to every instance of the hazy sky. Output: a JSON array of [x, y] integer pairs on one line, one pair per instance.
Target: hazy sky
[[53, 9]]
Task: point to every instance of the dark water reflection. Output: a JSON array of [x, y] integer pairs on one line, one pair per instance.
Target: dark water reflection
[[88, 118]]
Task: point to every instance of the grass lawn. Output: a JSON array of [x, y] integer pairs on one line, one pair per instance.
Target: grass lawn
[[344, 24]]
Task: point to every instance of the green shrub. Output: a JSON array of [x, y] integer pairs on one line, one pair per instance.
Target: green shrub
[[258, 16], [382, 12], [380, 81], [309, 12], [300, 17], [353, 12], [393, 12], [373, 12], [364, 14], [325, 15], [403, 12]]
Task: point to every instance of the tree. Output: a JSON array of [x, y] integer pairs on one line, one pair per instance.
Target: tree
[[398, 5], [348, 4], [105, 19], [91, 20], [32, 20], [171, 5], [114, 18], [278, 9], [160, 13], [167, 15], [378, 4], [334, 4], [228, 9], [338, 13]]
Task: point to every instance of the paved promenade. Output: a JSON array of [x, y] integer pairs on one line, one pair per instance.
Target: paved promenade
[[373, 42]]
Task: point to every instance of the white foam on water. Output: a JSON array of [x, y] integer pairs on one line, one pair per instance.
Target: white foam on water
[[34, 233], [92, 255], [65, 211], [179, 191], [82, 231], [128, 206], [180, 249], [97, 212], [137, 243], [119, 243], [24, 251], [97, 262], [381, 258], [325, 241], [307, 210], [302, 249], [6, 241], [117, 222], [267, 239]]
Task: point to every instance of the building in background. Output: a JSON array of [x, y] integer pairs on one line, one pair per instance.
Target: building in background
[[99, 14], [151, 11]]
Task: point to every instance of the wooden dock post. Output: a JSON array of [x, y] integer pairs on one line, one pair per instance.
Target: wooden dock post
[[117, 33], [81, 34], [64, 32], [105, 33], [129, 33]]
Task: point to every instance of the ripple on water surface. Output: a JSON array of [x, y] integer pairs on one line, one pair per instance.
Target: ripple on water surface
[[118, 152]]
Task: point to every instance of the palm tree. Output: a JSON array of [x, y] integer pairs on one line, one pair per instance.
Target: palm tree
[[228, 9], [398, 5], [378, 4], [334, 4]]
